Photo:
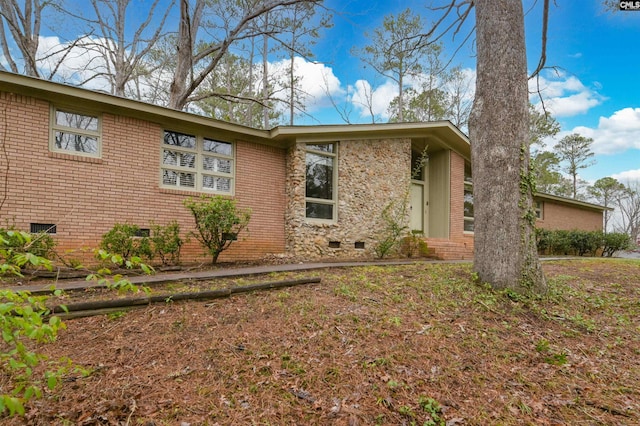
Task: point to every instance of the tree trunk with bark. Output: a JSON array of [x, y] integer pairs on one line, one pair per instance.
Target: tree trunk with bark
[[505, 246]]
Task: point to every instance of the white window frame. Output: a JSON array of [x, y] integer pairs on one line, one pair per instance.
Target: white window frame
[[198, 170], [538, 206], [334, 201], [468, 187], [55, 127]]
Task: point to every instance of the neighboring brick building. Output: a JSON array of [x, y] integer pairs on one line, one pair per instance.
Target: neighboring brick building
[[83, 161]]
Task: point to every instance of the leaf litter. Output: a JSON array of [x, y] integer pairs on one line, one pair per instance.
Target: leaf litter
[[366, 346]]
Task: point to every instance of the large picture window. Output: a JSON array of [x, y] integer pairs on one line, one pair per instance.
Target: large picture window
[[468, 199], [75, 133], [197, 163], [320, 191]]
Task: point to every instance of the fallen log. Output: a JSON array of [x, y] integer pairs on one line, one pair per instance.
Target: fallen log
[[111, 304]]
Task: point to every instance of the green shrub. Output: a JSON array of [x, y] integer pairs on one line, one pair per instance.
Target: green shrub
[[580, 243], [166, 242], [218, 222], [614, 242], [119, 282], [126, 241], [19, 243], [22, 319], [414, 245], [543, 240], [19, 250], [561, 242], [393, 218], [585, 242]]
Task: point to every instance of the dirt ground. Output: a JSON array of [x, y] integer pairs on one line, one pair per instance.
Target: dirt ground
[[399, 345]]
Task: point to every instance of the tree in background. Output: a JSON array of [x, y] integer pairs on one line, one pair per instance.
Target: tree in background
[[300, 30], [396, 52], [123, 55], [427, 99], [235, 99], [628, 204], [20, 24], [606, 191], [225, 24], [460, 98], [546, 169], [575, 150], [542, 125], [545, 164]]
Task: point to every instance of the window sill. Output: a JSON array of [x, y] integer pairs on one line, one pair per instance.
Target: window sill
[[319, 223], [75, 157], [192, 192]]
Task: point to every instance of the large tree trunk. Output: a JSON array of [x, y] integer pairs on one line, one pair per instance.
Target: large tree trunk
[[505, 247]]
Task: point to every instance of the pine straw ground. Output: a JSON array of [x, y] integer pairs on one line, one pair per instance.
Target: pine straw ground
[[397, 345]]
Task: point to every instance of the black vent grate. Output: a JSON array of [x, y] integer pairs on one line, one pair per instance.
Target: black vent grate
[[47, 228]]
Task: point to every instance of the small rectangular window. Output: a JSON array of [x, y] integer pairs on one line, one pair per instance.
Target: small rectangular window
[[47, 228], [334, 244], [143, 232], [75, 133], [539, 208], [359, 245]]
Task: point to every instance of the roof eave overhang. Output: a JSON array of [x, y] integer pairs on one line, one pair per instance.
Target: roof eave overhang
[[571, 201], [75, 97], [442, 133]]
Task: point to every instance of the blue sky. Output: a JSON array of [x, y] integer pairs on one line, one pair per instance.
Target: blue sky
[[594, 89]]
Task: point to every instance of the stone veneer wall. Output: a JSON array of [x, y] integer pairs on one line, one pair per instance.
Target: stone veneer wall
[[371, 173]]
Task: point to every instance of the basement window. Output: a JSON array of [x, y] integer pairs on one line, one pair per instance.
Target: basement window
[[334, 244], [143, 233], [359, 245]]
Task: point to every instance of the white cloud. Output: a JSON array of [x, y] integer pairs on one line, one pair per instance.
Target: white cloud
[[79, 64], [628, 176], [617, 133], [316, 80], [368, 100], [564, 96]]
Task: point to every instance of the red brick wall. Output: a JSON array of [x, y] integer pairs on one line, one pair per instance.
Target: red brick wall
[[456, 212], [560, 216], [84, 197]]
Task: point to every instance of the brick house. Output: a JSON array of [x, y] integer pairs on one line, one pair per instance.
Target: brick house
[[83, 160]]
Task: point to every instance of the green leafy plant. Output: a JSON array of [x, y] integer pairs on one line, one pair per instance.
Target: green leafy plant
[[126, 241], [580, 243], [23, 318], [433, 409], [166, 242], [119, 282], [394, 219], [614, 242], [19, 249], [414, 245], [218, 222]]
